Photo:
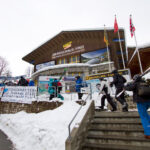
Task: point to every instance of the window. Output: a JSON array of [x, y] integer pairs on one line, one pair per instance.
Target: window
[[74, 59], [62, 61]]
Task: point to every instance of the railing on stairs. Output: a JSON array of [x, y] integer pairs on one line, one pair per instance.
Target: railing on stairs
[[83, 102]]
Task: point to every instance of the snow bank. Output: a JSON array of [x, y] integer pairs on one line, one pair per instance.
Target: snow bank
[[47, 130]]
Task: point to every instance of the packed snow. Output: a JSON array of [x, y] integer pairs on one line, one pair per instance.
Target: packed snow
[[47, 130]]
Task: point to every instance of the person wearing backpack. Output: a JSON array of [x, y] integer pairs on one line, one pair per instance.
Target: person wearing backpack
[[54, 89], [142, 100], [105, 90], [118, 81]]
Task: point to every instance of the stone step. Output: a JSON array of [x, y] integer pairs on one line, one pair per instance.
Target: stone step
[[116, 119], [116, 124], [116, 131], [129, 114], [121, 140], [89, 146]]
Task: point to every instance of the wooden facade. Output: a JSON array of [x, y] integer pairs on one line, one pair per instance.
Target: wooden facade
[[92, 40], [134, 63]]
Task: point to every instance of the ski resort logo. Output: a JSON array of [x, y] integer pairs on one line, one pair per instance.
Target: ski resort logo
[[67, 45]]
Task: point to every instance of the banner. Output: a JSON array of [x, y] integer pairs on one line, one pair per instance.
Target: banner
[[94, 79], [19, 94], [1, 91], [43, 84]]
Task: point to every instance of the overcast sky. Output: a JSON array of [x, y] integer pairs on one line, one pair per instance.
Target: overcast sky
[[26, 24]]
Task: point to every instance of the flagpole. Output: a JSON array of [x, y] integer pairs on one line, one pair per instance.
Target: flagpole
[[108, 53], [141, 69], [121, 48]]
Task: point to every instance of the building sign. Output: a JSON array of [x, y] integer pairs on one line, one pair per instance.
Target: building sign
[[94, 79], [40, 66], [67, 45], [19, 94], [95, 57], [67, 52], [125, 73]]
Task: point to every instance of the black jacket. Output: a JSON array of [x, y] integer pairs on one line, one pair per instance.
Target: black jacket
[[23, 82], [118, 81], [134, 87]]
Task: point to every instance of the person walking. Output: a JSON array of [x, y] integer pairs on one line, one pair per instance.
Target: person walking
[[118, 81], [142, 101], [78, 87], [104, 89]]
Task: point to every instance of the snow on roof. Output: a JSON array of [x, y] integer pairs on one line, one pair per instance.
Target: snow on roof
[[141, 46], [68, 66], [61, 66], [92, 29]]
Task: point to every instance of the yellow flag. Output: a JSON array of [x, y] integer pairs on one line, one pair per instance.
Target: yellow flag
[[105, 37]]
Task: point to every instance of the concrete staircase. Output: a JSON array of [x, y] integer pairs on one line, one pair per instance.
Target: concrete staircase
[[116, 131]]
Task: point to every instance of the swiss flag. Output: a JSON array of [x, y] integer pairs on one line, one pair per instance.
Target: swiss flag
[[115, 26]]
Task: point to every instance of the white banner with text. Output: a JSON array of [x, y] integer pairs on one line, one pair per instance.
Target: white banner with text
[[19, 94]]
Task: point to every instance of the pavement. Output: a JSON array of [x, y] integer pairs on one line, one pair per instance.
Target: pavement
[[5, 143]]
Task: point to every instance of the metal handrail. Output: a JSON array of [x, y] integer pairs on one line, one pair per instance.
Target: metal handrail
[[75, 116]]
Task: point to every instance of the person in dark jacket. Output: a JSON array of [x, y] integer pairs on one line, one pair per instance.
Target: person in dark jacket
[[143, 103], [104, 89], [23, 82], [118, 81], [79, 86]]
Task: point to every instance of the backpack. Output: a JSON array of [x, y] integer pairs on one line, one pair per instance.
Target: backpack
[[59, 86], [143, 89], [54, 85]]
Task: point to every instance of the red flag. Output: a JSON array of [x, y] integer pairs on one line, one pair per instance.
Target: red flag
[[132, 28], [115, 26]]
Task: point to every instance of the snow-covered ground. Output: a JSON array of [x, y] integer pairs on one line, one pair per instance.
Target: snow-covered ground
[[47, 130]]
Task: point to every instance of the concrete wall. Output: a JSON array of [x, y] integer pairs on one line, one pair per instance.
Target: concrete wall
[[35, 107], [78, 133]]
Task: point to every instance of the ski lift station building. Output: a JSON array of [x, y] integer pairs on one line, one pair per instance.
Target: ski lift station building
[[80, 52]]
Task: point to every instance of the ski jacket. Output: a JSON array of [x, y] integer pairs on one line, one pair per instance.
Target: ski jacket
[[118, 81], [78, 85], [23, 82], [31, 83], [50, 87], [104, 87]]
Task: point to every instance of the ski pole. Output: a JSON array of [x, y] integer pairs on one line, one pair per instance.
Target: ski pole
[[120, 93]]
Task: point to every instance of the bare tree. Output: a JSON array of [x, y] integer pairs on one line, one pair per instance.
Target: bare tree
[[29, 71], [4, 70]]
